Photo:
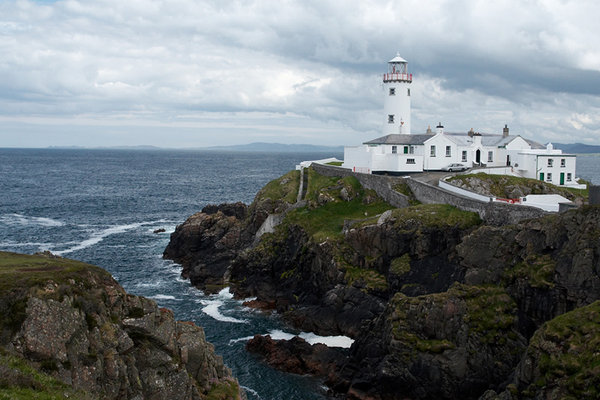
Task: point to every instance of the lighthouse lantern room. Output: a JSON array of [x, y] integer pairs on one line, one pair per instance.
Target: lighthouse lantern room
[[396, 85]]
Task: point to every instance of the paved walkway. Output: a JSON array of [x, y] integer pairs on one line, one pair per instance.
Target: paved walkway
[[431, 177]]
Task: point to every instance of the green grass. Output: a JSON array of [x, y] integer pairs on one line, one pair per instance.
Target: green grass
[[400, 265], [335, 163], [435, 215], [404, 189], [283, 188], [370, 279], [326, 212], [538, 270], [20, 380], [26, 271], [327, 220], [226, 389]]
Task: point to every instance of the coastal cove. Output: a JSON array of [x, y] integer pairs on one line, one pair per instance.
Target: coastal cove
[[105, 207], [102, 207]]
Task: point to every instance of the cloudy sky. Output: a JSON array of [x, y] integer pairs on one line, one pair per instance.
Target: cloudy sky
[[188, 73]]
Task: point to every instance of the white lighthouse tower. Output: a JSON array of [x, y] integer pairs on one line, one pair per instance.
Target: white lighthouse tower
[[396, 85]]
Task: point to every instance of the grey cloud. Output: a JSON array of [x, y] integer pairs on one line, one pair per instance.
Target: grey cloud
[[477, 63]]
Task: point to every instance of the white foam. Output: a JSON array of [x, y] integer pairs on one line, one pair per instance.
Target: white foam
[[163, 297], [42, 246], [211, 309], [242, 339], [329, 341], [98, 236], [280, 335], [225, 293], [19, 219], [251, 391]]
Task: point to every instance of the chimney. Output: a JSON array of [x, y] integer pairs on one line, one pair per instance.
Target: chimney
[[471, 132], [439, 128], [505, 131], [429, 131]]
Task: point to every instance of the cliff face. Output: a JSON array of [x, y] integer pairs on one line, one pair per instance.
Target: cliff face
[[71, 324], [440, 305]]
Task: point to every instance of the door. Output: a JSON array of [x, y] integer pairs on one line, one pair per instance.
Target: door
[[541, 176], [478, 156], [562, 178], [508, 160]]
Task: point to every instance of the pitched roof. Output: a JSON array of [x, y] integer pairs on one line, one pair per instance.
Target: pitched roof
[[460, 138], [400, 139]]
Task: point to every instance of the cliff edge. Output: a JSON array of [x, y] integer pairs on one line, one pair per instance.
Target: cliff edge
[[441, 305], [69, 330]]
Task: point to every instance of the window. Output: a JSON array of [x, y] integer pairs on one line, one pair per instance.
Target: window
[[392, 91], [410, 161], [464, 156], [411, 150], [563, 163], [390, 119], [569, 177], [409, 91], [432, 151], [448, 151], [550, 162], [394, 149], [490, 156], [549, 177]]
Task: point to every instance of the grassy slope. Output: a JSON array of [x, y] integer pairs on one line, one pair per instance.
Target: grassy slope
[[326, 211]]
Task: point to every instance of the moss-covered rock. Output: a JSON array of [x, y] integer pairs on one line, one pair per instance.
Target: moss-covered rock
[[507, 186], [78, 333], [562, 360]]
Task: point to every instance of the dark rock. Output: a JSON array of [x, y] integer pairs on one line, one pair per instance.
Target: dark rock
[[160, 230], [297, 356]]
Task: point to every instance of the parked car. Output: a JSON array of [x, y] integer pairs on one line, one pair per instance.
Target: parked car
[[455, 167]]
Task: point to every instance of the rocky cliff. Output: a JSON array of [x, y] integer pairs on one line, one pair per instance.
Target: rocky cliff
[[440, 305], [68, 330]]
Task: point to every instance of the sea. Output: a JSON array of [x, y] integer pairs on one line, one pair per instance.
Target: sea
[[104, 206]]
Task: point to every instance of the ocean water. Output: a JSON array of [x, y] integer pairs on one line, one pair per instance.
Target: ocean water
[[102, 207]]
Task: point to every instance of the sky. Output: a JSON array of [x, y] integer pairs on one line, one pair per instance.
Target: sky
[[195, 73]]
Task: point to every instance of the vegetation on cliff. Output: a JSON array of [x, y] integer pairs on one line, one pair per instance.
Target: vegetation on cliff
[[506, 186], [68, 329]]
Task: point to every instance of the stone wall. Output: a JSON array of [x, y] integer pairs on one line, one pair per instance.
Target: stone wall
[[594, 198], [491, 212]]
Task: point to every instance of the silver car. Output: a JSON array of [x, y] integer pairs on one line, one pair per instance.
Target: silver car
[[455, 167]]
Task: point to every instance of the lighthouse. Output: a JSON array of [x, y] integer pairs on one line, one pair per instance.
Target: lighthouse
[[396, 85]]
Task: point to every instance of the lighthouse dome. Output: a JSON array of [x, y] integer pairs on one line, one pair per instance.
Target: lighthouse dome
[[397, 59]]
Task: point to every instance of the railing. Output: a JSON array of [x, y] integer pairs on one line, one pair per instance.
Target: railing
[[397, 77]]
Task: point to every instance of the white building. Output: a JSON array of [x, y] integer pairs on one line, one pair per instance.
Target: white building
[[399, 151]]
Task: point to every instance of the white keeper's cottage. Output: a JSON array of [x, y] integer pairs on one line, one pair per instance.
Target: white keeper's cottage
[[400, 151]]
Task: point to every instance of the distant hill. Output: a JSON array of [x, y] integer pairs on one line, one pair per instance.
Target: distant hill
[[577, 148], [138, 147], [279, 148]]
